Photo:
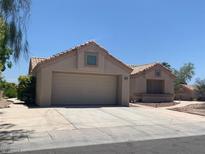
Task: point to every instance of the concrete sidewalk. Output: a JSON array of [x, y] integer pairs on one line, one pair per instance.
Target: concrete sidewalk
[[24, 129], [183, 103], [178, 104], [184, 145]]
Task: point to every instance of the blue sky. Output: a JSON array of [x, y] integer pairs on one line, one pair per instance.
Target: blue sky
[[135, 31]]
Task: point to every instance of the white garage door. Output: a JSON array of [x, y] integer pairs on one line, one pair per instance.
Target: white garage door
[[75, 89]]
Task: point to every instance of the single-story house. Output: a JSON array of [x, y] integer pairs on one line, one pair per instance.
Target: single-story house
[[151, 83], [186, 92], [84, 75]]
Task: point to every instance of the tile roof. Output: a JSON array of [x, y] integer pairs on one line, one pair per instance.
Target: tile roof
[[190, 87], [45, 60], [141, 68], [34, 61], [137, 69]]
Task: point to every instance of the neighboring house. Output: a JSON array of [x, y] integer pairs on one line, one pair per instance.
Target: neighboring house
[[151, 83], [186, 92], [84, 75]]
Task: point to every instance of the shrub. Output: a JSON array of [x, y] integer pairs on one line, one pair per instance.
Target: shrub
[[200, 89], [26, 89], [9, 89]]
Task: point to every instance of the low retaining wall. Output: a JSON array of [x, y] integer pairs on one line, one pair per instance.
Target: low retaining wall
[[153, 98]]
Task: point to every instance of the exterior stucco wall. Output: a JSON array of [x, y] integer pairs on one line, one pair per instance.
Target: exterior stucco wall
[[185, 96], [38, 86], [125, 95], [74, 63], [138, 83]]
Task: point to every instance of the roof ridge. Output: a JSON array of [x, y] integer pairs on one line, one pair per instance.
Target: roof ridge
[[136, 65], [37, 58], [75, 48], [145, 67], [70, 49], [65, 51]]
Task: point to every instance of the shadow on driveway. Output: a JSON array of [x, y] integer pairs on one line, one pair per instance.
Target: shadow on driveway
[[33, 106], [8, 136], [184, 145]]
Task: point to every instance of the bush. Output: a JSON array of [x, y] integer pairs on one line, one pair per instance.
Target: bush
[[9, 89], [200, 89], [26, 89]]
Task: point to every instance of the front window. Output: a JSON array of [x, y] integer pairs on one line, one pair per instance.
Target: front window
[[91, 59]]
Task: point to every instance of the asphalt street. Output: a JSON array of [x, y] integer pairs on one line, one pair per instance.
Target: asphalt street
[[183, 145]]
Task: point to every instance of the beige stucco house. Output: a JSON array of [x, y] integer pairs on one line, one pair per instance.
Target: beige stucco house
[[151, 83], [86, 74], [186, 92]]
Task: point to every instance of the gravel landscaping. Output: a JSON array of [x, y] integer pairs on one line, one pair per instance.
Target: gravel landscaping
[[198, 109]]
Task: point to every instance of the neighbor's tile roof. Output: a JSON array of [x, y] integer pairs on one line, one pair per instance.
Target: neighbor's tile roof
[[35, 61], [141, 68], [190, 87]]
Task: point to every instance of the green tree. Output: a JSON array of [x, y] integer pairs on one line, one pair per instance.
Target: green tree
[[184, 74], [14, 15], [167, 65], [200, 88], [26, 89], [9, 89], [5, 52]]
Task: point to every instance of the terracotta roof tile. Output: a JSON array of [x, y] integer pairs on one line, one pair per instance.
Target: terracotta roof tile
[[141, 68], [190, 87], [45, 60], [35, 61], [137, 69]]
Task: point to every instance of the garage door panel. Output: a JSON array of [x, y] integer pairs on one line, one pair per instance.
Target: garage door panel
[[83, 89]]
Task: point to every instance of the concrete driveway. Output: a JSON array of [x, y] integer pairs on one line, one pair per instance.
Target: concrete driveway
[[23, 128]]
